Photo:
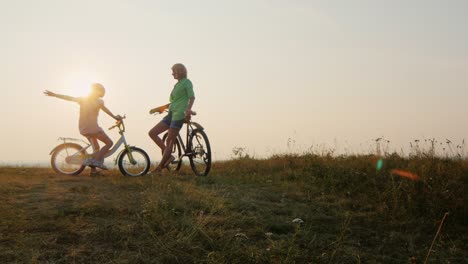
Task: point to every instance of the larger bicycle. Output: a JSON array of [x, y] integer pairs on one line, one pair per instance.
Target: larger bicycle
[[196, 147]]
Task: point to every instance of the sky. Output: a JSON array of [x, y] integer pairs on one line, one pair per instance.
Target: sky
[[270, 76]]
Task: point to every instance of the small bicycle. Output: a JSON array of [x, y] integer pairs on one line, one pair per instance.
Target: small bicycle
[[71, 158], [197, 149]]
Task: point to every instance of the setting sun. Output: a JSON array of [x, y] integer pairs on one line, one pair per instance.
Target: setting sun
[[78, 83]]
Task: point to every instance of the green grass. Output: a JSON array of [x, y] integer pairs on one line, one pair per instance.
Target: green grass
[[241, 213]]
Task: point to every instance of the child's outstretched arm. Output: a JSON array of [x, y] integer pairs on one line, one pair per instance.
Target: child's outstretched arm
[[107, 111], [61, 96]]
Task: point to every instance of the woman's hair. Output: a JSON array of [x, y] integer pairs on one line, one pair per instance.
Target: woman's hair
[[98, 89], [180, 69]]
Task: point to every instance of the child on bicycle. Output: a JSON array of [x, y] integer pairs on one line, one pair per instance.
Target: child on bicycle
[[88, 125]]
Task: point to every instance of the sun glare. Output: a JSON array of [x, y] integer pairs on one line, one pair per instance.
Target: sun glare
[[78, 83]]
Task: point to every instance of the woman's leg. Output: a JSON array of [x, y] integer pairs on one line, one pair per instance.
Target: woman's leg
[[154, 135], [172, 135]]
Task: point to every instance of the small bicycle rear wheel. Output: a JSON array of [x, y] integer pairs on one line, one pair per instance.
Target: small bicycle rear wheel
[[140, 166], [200, 153], [177, 153], [67, 159]]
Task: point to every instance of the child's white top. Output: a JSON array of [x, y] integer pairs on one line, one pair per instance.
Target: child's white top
[[89, 111]]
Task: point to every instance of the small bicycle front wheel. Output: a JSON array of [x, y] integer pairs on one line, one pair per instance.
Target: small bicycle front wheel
[[200, 153], [177, 153], [67, 159], [139, 166]]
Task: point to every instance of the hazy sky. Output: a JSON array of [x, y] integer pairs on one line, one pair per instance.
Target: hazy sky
[[321, 73]]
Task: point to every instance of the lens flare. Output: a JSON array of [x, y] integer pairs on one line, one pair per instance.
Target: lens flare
[[406, 174], [379, 164]]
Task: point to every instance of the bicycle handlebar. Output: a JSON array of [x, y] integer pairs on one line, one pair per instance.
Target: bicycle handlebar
[[119, 123]]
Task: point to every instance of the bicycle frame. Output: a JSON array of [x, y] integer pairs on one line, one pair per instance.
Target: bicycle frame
[[189, 129]]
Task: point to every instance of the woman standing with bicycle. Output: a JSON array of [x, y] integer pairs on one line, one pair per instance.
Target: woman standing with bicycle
[[180, 108]]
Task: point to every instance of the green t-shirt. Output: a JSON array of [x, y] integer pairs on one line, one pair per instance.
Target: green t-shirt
[[179, 98]]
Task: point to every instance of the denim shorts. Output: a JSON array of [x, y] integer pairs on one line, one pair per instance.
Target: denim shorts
[[173, 123]]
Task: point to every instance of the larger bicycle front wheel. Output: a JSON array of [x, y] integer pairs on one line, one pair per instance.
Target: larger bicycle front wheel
[[134, 163], [200, 153], [67, 159]]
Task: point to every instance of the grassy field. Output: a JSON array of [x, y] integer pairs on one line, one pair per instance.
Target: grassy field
[[242, 212]]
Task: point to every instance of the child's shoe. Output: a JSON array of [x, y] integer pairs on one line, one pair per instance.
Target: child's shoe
[[98, 164], [96, 174]]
